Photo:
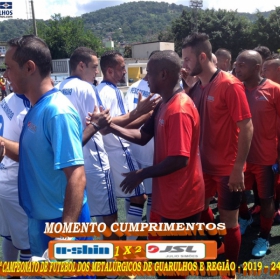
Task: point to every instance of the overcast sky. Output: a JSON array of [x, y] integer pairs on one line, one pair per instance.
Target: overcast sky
[[45, 8]]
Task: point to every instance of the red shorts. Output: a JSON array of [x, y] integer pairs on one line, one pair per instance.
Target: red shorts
[[227, 200], [263, 176]]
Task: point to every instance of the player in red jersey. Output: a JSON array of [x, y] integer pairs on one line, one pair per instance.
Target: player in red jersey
[[263, 97], [271, 70], [178, 188], [226, 132]]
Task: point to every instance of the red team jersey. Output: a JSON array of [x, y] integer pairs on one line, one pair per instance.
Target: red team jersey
[[176, 132], [221, 104], [264, 102]]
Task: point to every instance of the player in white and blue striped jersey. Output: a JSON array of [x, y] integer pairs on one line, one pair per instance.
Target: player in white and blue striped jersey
[[14, 222]]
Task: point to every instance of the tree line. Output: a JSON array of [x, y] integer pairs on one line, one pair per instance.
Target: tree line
[[150, 21]]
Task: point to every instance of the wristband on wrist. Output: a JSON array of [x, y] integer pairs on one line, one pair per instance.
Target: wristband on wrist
[[96, 126]]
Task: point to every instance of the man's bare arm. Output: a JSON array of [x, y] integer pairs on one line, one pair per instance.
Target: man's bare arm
[[11, 148], [236, 180], [166, 167], [76, 183], [133, 135], [96, 121]]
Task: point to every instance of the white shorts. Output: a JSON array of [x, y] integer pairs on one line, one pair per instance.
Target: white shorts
[[148, 183], [14, 222], [123, 162], [101, 194]]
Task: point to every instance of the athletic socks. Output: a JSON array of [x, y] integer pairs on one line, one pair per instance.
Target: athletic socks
[[149, 205], [208, 217], [244, 211], [266, 224], [24, 257], [232, 241], [10, 253], [134, 215]]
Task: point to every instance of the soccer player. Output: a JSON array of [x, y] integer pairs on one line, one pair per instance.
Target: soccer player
[[271, 70], [79, 90], [51, 172], [143, 155], [178, 188], [225, 137], [121, 159], [14, 223], [223, 59], [264, 100]]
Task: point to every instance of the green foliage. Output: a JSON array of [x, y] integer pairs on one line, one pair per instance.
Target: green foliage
[[132, 22], [64, 34], [227, 29], [127, 52], [146, 21]]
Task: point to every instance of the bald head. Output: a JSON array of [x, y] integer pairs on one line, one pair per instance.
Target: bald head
[[214, 59], [248, 65], [168, 61], [271, 68], [163, 70], [223, 59]]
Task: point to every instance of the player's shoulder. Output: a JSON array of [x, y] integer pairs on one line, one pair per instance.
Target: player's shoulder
[[226, 78], [270, 84], [105, 88]]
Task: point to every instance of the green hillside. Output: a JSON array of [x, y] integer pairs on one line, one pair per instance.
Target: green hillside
[[125, 23]]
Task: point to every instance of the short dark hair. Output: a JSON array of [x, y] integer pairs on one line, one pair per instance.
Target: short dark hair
[[31, 47], [108, 59], [81, 54], [167, 60], [221, 52], [199, 42], [273, 56], [155, 51], [263, 51]]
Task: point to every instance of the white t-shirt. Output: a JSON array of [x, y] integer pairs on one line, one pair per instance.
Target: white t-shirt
[[112, 98], [143, 154], [12, 112], [82, 96]]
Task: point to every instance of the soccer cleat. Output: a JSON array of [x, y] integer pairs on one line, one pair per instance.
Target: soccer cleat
[[260, 248], [255, 209], [244, 224]]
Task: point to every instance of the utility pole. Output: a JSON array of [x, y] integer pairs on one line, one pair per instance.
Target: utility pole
[[33, 18], [195, 5]]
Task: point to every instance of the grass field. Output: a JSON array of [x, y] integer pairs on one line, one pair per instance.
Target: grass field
[[273, 254]]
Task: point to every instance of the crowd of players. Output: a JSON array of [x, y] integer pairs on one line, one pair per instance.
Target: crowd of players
[[72, 149]]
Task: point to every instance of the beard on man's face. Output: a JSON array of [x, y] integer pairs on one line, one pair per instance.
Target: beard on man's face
[[196, 70]]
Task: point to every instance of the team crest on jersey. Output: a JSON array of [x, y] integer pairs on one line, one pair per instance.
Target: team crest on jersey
[[210, 98], [261, 98], [161, 122], [32, 127]]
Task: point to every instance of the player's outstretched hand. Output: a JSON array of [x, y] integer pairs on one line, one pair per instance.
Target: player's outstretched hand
[[131, 181], [102, 118], [144, 106], [2, 151], [236, 180]]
